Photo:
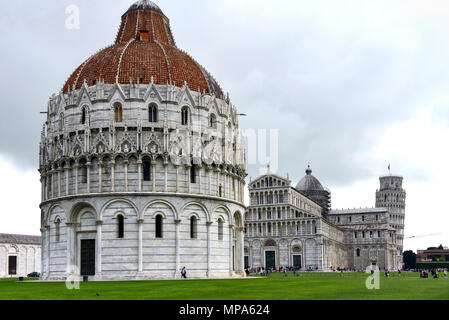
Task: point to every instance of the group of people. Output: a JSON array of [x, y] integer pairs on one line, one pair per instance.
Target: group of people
[[434, 272], [266, 271]]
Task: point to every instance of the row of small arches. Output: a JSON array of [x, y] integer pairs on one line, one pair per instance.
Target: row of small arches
[[159, 227], [153, 116], [268, 182]]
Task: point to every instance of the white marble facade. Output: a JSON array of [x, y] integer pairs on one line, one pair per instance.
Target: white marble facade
[[94, 168], [284, 228], [20, 255]]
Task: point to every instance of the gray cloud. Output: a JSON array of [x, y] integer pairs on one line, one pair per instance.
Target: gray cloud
[[330, 77]]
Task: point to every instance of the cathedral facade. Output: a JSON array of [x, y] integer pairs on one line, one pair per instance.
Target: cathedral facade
[[295, 227], [142, 164]]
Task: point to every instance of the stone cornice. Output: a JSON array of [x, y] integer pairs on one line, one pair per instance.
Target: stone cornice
[[137, 194]]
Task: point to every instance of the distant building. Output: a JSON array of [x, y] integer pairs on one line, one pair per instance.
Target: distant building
[[433, 255], [295, 227], [20, 255]]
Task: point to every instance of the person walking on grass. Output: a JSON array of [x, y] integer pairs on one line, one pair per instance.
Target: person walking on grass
[[285, 272], [445, 274], [184, 273]]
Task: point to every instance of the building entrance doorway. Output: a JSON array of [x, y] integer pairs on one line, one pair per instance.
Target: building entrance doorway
[[297, 261], [270, 259], [87, 257], [12, 265]]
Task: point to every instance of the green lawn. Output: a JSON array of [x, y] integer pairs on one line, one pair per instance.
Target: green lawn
[[308, 286]]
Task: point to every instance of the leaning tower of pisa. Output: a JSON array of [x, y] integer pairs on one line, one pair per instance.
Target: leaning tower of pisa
[[392, 196]]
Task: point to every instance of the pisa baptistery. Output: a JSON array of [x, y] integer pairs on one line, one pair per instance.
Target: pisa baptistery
[[142, 164]]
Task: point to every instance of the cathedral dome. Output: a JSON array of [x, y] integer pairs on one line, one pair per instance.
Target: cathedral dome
[[144, 52], [309, 182]]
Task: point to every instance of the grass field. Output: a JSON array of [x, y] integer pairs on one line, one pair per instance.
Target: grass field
[[308, 286]]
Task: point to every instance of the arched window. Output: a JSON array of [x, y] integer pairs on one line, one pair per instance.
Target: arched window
[[185, 116], [121, 226], [83, 171], [152, 113], [118, 112], [146, 170], [213, 121], [61, 122], [193, 227], [193, 174], [84, 115], [220, 229], [358, 252], [159, 219], [58, 230]]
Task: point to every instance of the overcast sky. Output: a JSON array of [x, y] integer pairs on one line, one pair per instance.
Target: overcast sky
[[351, 86]]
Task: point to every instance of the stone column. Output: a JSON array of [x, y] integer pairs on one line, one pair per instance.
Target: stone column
[[52, 185], [76, 178], [43, 248], [99, 247], [47, 238], [166, 177], [177, 178], [88, 166], [187, 168], [126, 162], [200, 169], [59, 182], [67, 180], [42, 189], [178, 252], [140, 250], [208, 224], [70, 254], [100, 176], [231, 241], [139, 174], [112, 175], [241, 259], [210, 181], [153, 175]]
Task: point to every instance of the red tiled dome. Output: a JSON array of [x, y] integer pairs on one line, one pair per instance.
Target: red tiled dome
[[144, 49]]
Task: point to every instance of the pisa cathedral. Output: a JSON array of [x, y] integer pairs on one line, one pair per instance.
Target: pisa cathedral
[[142, 164], [295, 227]]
